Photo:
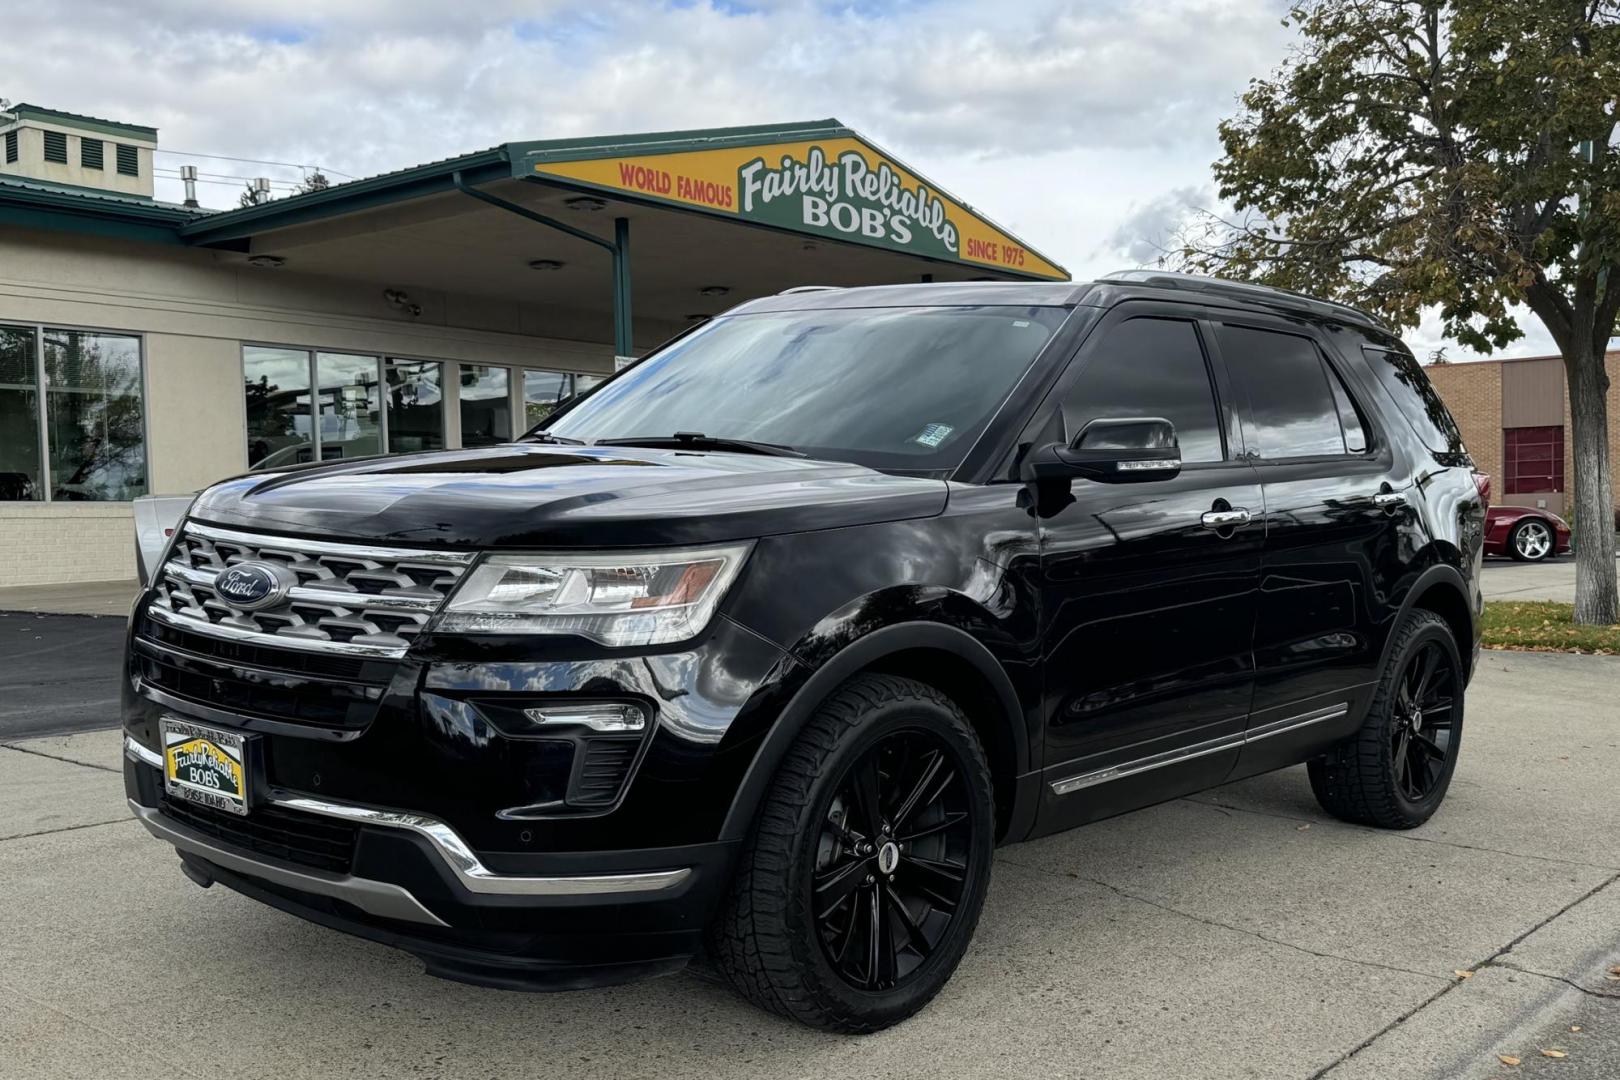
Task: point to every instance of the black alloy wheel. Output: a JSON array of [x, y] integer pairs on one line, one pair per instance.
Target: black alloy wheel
[[863, 877], [1395, 770], [892, 860], [1421, 735]]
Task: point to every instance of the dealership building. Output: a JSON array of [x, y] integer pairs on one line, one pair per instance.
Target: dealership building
[[150, 347], [1514, 418]]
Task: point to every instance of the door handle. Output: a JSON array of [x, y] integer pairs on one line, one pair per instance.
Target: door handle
[[1389, 500], [1225, 519]]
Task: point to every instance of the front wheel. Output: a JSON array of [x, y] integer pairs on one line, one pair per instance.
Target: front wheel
[[1395, 771], [1532, 541], [862, 882]]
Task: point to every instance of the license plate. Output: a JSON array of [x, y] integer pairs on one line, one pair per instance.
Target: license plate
[[205, 765]]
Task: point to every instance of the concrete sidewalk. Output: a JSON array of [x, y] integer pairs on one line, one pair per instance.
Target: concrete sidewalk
[[1239, 934]]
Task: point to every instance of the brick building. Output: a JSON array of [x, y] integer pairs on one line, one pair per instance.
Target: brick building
[[1514, 416]]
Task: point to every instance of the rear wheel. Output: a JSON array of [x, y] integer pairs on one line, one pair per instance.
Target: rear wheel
[[1531, 541], [1394, 773], [863, 880]]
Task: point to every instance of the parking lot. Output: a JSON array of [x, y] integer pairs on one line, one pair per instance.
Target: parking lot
[[1239, 933]]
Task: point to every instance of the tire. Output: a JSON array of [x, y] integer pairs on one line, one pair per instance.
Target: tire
[[1362, 780], [768, 941], [1531, 540]]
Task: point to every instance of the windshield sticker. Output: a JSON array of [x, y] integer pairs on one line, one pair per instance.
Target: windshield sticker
[[932, 435]]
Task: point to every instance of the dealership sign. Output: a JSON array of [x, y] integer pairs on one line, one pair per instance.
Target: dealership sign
[[837, 187]]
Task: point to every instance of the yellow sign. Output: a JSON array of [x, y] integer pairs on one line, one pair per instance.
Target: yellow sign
[[838, 187]]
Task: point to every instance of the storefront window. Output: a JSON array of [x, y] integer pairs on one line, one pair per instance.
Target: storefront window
[[543, 391], [486, 409], [19, 416], [415, 406], [280, 430], [351, 405], [94, 416]]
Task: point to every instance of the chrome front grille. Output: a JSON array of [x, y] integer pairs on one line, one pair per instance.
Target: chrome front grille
[[359, 599]]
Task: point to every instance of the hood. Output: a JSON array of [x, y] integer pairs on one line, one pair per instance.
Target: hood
[[538, 495]]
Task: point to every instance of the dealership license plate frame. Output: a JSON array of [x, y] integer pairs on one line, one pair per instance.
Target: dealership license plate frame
[[221, 749]]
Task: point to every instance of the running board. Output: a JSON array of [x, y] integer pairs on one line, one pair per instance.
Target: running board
[[1197, 750]]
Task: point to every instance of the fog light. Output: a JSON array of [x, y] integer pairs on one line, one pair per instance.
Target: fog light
[[608, 717]]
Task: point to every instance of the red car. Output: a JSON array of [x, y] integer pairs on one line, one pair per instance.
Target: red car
[[1525, 533]]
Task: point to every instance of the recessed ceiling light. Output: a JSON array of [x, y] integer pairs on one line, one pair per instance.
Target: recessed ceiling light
[[545, 264], [267, 262], [585, 202], [715, 290]]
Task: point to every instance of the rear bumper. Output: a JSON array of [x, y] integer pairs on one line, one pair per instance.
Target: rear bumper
[[567, 921]]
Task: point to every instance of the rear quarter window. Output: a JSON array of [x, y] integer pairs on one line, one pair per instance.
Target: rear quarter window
[[1402, 377]]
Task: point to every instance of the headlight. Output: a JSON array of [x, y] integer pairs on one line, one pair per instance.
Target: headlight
[[616, 598]]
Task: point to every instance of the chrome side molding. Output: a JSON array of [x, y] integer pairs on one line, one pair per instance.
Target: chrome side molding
[[1079, 782]]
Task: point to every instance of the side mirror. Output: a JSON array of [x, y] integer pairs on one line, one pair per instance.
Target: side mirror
[[1111, 451]]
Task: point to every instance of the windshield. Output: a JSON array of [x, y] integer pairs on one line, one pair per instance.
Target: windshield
[[896, 388]]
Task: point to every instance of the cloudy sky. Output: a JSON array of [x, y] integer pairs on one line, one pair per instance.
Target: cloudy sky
[[1086, 127]]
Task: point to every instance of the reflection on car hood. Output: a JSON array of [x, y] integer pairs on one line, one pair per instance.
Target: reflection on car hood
[[534, 495]]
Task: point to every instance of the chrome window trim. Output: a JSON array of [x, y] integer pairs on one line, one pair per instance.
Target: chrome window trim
[[445, 841], [1081, 781]]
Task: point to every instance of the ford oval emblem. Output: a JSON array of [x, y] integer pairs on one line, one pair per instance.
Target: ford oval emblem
[[250, 586]]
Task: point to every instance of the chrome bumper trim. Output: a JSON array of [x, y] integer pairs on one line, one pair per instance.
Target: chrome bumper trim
[[474, 876], [136, 752], [380, 898], [472, 873], [1071, 784]]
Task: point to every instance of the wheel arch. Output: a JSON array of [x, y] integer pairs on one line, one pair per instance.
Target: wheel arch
[[945, 657], [1442, 590]]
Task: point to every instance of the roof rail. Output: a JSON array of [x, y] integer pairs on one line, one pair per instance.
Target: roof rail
[[1240, 289], [809, 288]]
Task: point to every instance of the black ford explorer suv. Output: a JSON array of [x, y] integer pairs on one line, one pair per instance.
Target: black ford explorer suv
[[757, 650]]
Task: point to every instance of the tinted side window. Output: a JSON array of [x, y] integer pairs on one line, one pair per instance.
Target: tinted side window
[[1292, 412], [1418, 401], [1150, 367]]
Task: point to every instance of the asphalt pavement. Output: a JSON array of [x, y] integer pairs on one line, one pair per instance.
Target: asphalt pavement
[[1240, 933], [58, 673]]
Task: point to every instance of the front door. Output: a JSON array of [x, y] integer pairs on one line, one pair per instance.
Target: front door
[[1148, 588]]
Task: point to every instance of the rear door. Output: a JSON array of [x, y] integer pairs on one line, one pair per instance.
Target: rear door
[[1336, 496], [1147, 607]]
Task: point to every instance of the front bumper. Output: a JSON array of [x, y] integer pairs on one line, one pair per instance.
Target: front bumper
[[579, 919]]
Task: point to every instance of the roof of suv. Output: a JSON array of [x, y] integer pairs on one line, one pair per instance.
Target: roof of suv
[[1049, 294]]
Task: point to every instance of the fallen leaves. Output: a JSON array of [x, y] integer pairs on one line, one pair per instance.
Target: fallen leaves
[[1507, 1059], [1574, 1027], [1461, 974], [1554, 1054]]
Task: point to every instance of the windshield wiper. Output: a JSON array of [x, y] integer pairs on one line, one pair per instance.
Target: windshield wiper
[[548, 437], [696, 440]]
